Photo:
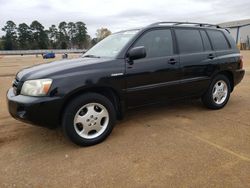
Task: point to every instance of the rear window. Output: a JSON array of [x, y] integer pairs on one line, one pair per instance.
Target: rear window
[[218, 40], [189, 40]]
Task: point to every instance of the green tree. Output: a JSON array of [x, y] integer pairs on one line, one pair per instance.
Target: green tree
[[1, 44], [53, 36], [81, 36], [72, 34], [63, 37], [10, 38], [94, 41], [40, 36], [66, 35], [87, 42], [24, 36]]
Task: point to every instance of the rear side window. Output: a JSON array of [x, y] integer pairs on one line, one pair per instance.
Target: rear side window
[[189, 40], [218, 40], [158, 43], [206, 42]]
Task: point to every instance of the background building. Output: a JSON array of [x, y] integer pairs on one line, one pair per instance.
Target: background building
[[240, 30]]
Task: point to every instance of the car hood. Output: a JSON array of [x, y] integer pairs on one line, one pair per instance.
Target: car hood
[[61, 67]]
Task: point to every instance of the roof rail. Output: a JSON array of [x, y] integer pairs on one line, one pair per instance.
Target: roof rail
[[185, 23]]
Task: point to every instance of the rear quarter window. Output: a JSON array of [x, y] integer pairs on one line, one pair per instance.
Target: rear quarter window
[[218, 40], [231, 40], [189, 40]]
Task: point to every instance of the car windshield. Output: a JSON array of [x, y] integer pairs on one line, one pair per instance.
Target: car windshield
[[111, 45]]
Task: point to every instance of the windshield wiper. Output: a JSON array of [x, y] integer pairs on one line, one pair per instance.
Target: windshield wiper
[[92, 56]]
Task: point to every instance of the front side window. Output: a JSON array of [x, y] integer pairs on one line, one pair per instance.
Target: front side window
[[189, 40], [218, 40], [158, 43]]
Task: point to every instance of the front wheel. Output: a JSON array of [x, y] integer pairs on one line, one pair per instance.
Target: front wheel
[[89, 119], [218, 93]]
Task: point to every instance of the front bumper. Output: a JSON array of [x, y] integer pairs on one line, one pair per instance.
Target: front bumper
[[41, 111]]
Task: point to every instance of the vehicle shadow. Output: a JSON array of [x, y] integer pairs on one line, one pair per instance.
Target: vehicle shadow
[[39, 139], [168, 108]]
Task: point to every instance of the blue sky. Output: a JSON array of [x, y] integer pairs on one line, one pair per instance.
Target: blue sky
[[117, 15]]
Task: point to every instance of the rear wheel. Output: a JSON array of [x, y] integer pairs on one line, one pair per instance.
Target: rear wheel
[[89, 119], [218, 93]]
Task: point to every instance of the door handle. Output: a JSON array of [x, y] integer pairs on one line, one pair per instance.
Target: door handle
[[210, 56], [172, 61]]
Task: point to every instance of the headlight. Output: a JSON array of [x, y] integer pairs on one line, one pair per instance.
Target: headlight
[[36, 87]]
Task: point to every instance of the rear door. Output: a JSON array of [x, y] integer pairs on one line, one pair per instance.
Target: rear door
[[196, 60], [225, 53], [156, 76]]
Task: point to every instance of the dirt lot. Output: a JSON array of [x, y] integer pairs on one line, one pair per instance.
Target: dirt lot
[[177, 145]]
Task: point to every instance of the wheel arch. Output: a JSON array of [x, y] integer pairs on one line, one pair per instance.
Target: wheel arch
[[108, 92], [229, 75]]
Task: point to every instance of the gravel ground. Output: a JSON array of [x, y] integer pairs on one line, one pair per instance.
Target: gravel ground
[[181, 144]]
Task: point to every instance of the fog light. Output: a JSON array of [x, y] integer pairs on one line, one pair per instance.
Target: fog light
[[21, 112]]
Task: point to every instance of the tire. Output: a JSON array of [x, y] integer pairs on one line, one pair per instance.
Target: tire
[[88, 119], [218, 93]]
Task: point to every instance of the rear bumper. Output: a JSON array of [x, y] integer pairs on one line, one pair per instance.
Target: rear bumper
[[238, 76], [41, 111]]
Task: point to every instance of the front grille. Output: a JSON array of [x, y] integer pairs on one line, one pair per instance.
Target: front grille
[[17, 86]]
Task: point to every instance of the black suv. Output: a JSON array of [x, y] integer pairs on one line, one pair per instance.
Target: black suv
[[128, 69]]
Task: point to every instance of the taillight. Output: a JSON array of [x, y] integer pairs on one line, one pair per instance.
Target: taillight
[[241, 62]]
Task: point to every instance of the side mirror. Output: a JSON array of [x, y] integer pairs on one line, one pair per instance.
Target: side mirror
[[137, 53]]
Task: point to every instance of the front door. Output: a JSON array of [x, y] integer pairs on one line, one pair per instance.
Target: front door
[[155, 77]]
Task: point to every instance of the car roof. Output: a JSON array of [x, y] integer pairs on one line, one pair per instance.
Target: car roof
[[176, 25], [195, 24]]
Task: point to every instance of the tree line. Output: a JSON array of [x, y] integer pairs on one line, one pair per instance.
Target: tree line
[[35, 36]]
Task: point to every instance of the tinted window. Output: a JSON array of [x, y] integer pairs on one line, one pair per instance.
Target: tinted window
[[218, 40], [158, 43], [189, 40], [206, 41]]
